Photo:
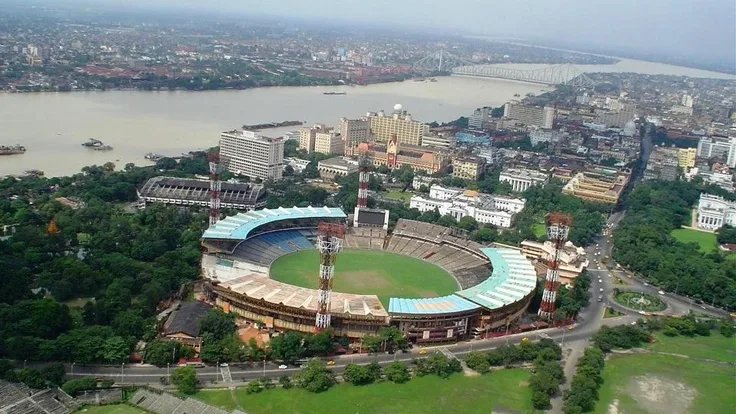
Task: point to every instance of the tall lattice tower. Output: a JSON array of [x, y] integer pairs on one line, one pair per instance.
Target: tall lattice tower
[[215, 185], [329, 243], [363, 181], [558, 228]]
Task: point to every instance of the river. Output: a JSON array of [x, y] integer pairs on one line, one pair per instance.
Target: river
[[53, 125]]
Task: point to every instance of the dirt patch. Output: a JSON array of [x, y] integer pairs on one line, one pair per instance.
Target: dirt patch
[[661, 395], [613, 407], [361, 279]]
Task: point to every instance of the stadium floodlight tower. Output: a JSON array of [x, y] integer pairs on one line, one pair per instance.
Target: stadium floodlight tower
[[363, 181], [558, 228], [329, 243], [215, 186]]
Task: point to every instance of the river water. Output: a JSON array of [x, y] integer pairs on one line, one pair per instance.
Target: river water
[[53, 125]]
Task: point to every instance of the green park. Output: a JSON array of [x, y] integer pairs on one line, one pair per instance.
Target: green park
[[706, 241], [639, 301]]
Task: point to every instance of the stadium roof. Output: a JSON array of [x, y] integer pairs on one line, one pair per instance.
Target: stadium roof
[[512, 279], [260, 287], [440, 305], [239, 226]]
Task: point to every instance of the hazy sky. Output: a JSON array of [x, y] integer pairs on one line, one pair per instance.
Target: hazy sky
[[694, 28]]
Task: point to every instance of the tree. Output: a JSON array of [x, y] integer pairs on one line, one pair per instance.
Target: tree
[[726, 234], [287, 347], [166, 163], [74, 386], [320, 343], [540, 400], [314, 376], [216, 325], [397, 372], [253, 387], [185, 379], [285, 381], [267, 383], [357, 374], [53, 373], [477, 362], [115, 350], [161, 352], [468, 223]]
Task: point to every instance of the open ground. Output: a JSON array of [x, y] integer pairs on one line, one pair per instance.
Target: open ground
[[672, 384], [368, 272], [502, 391], [706, 241]]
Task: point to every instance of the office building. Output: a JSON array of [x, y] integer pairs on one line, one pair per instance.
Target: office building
[[686, 100], [601, 185], [468, 168], [308, 136], [617, 119], [714, 212], [492, 155], [459, 203], [354, 131], [718, 147], [438, 140], [400, 123], [393, 155], [662, 164], [521, 178], [479, 116], [337, 166], [540, 136], [328, 142], [251, 154], [542, 117], [686, 157]]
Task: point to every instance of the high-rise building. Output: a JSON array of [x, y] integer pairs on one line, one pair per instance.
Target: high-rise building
[[542, 117], [718, 147], [478, 117], [308, 136], [249, 153], [618, 118], [354, 131], [400, 123], [662, 164], [328, 142], [687, 100], [686, 157]]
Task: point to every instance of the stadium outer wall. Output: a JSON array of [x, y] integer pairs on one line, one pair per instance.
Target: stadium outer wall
[[419, 327]]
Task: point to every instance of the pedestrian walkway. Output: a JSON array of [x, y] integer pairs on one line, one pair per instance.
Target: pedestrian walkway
[[226, 376]]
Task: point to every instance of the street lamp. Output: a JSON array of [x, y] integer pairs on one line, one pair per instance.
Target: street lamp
[[122, 372], [72, 371], [168, 375]]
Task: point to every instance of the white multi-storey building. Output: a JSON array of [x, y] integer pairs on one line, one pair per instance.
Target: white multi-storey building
[[721, 147], [459, 203], [542, 117], [715, 211], [249, 153], [399, 123], [521, 178], [538, 136]]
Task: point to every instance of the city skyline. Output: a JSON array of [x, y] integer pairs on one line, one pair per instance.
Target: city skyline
[[676, 29]]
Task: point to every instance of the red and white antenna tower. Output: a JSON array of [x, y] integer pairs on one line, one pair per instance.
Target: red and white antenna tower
[[363, 181], [558, 228], [215, 186], [329, 243]]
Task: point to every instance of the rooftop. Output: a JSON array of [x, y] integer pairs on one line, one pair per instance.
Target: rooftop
[[239, 226], [260, 287], [186, 318], [443, 304], [513, 278]]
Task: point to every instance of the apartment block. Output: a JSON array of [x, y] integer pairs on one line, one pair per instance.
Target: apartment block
[[400, 123], [249, 153], [542, 117]]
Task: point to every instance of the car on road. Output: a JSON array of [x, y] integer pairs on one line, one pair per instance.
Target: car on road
[[661, 292], [283, 367], [422, 351], [600, 281], [571, 327], [601, 289], [646, 284], [641, 312], [525, 339], [224, 364], [600, 298], [330, 362], [702, 307]]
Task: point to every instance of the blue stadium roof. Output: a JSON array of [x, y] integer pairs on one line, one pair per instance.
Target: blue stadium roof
[[239, 226], [444, 304], [512, 279]]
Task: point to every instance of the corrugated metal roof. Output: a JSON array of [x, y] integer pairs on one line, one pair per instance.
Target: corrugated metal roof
[[443, 304], [512, 279], [239, 226]]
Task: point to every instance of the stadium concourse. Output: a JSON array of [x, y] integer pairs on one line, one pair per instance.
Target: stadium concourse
[[497, 283]]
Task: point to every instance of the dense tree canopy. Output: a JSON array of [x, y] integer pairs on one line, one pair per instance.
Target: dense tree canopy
[[643, 244]]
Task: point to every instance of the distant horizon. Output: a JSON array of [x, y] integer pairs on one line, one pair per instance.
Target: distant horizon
[[678, 32]]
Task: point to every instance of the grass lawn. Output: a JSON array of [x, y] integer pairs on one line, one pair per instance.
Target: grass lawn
[[644, 383], [640, 301], [715, 346], [539, 229], [110, 409], [706, 241], [368, 272], [398, 195], [504, 390]]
